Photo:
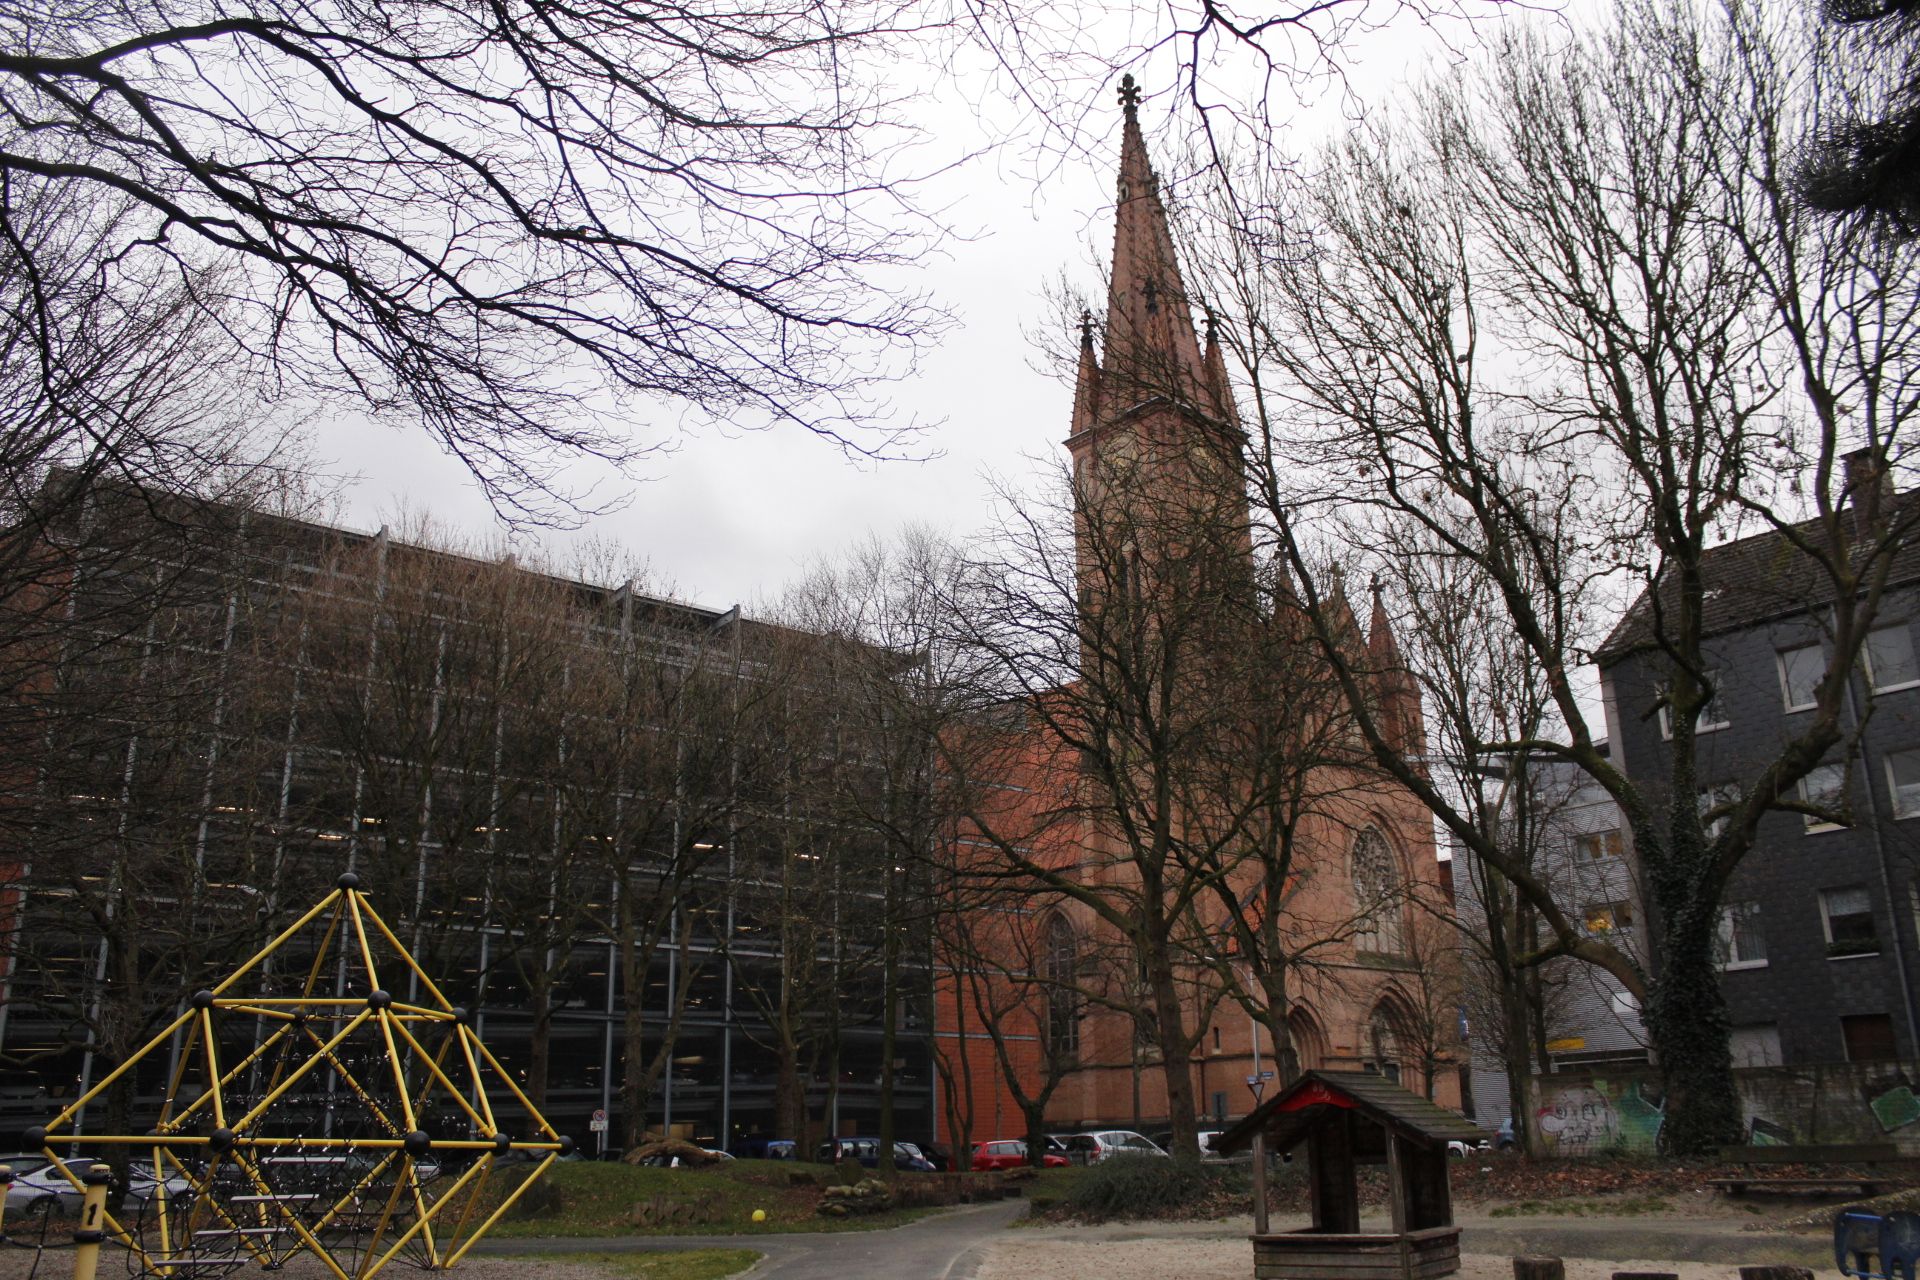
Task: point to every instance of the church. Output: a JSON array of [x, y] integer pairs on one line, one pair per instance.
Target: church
[[1199, 886]]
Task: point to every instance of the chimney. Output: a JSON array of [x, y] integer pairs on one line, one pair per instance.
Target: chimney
[[1869, 486]]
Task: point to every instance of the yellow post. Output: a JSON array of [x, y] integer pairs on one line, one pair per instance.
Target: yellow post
[[6, 1185], [93, 1213]]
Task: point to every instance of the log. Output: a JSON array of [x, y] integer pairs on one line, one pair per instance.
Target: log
[[1646, 1275], [1776, 1273], [1539, 1268]]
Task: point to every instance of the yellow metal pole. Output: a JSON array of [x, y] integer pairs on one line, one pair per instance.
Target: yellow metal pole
[[275, 945], [326, 1051], [93, 1214], [508, 1081], [366, 948], [6, 1184], [501, 1212], [407, 956], [433, 1067], [479, 1081], [73, 1108]]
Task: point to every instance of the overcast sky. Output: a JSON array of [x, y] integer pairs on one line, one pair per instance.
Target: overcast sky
[[731, 518]]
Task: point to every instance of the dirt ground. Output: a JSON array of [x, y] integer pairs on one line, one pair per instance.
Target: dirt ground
[[1016, 1259]]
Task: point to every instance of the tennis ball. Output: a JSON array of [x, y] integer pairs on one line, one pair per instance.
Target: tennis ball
[[759, 1215]]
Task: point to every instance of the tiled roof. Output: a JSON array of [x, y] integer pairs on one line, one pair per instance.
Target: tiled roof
[[1288, 1115], [1753, 579]]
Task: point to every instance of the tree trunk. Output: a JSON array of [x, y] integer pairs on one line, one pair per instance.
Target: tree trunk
[[1517, 1051], [790, 1100], [1688, 1023], [1170, 1029], [1036, 1115], [539, 1046], [889, 1030]]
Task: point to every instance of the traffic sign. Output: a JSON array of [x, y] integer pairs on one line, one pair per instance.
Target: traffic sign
[[599, 1122]]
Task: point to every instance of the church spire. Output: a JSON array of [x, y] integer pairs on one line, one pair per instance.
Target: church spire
[[1086, 389], [1150, 337]]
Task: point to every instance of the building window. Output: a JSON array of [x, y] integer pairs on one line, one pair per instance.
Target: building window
[[1609, 917], [1903, 782], [1063, 994], [1824, 787], [1756, 1046], [1800, 672], [1890, 660], [1741, 945], [1596, 845], [1848, 917], [1868, 1037], [1376, 894], [1712, 716], [1716, 804]]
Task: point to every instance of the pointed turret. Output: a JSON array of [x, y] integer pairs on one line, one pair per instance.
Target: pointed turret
[[1394, 686], [1150, 339], [1219, 388], [1086, 387]]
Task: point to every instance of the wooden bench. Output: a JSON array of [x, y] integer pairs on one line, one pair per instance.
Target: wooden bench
[[1861, 1153]]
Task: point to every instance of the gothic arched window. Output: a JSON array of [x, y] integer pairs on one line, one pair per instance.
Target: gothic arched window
[[1060, 966], [1378, 895]]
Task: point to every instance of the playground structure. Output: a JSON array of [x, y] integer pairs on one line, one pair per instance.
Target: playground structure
[[318, 1113]]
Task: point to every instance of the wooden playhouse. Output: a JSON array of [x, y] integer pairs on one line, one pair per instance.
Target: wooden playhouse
[[1347, 1119]]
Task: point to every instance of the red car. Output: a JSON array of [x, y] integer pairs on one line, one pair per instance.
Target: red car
[[1009, 1153]]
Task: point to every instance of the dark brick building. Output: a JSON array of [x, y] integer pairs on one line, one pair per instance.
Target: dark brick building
[[1818, 925]]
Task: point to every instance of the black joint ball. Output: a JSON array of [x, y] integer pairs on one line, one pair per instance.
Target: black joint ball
[[566, 1145], [348, 881], [502, 1144], [379, 999], [417, 1143], [36, 1136], [203, 999], [462, 1016], [221, 1140]]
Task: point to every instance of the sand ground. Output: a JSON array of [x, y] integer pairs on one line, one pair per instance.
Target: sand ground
[[1200, 1259]]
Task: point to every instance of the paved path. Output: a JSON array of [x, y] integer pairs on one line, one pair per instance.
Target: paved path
[[941, 1247]]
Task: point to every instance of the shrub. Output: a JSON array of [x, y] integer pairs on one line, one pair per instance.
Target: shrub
[[1143, 1187]]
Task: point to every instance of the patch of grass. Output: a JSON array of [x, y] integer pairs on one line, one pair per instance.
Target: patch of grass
[[680, 1264], [1626, 1207], [598, 1198]]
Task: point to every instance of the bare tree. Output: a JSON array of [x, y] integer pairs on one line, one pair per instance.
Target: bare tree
[[486, 220], [1566, 319]]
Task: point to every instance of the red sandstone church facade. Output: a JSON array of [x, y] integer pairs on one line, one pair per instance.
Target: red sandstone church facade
[[1153, 405]]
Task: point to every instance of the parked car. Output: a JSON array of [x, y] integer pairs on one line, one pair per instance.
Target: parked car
[[1092, 1148], [867, 1152], [30, 1194], [1010, 1153], [761, 1147], [918, 1152], [1464, 1149], [938, 1154], [667, 1160], [1164, 1141]]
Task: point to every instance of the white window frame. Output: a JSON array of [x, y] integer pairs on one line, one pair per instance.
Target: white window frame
[[1866, 659], [1726, 936], [1826, 922], [1713, 703], [1817, 826], [1893, 785], [1712, 797], [1786, 685]]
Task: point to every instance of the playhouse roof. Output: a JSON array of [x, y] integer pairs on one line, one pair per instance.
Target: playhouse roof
[[1317, 1096]]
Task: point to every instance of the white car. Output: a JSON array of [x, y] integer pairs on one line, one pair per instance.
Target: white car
[[1105, 1144]]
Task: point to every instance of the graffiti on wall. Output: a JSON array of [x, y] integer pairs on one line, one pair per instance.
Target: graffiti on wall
[[1846, 1102], [1601, 1117]]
